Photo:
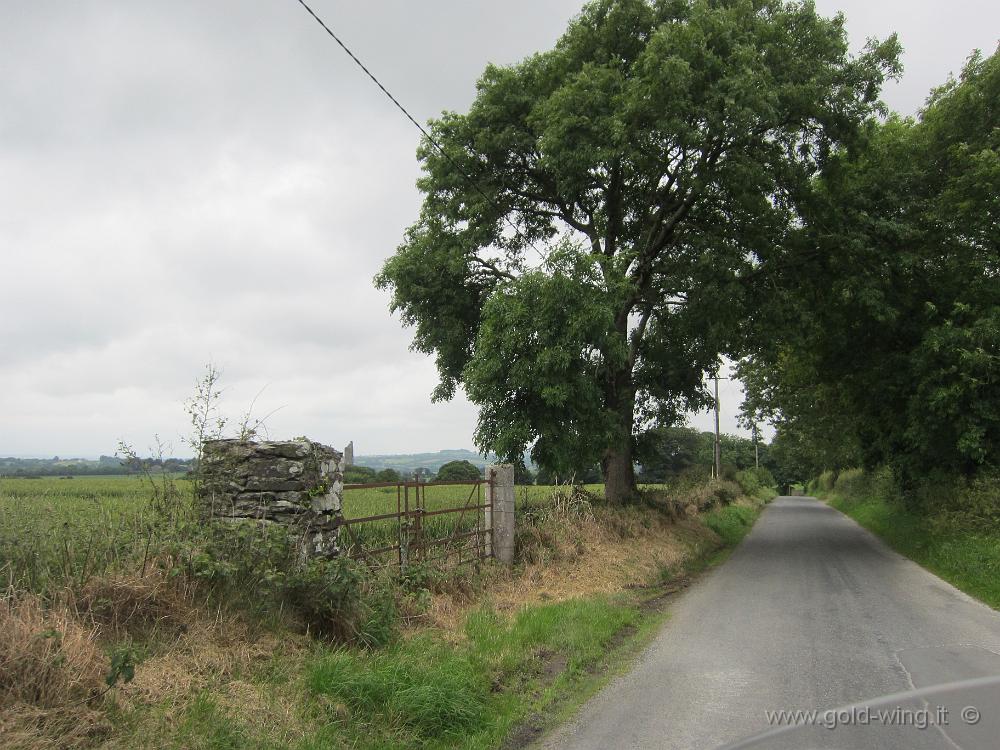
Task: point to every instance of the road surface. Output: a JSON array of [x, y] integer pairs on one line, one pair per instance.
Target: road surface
[[811, 611]]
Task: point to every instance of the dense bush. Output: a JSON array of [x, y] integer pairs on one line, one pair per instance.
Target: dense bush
[[825, 481], [360, 475], [256, 566], [752, 481], [340, 599], [852, 482]]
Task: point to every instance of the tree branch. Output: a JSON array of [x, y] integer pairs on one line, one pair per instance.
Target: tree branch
[[493, 269], [637, 334]]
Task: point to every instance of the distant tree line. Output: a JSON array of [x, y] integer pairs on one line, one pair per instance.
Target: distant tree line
[[104, 466], [452, 471]]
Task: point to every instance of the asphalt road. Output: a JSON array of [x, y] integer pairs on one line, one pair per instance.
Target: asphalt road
[[811, 611]]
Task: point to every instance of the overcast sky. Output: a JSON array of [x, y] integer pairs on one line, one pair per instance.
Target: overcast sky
[[198, 180]]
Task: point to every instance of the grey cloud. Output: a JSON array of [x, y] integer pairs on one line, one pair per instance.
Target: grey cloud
[[191, 180]]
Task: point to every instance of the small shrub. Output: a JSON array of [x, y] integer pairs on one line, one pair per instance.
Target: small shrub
[[338, 599], [239, 557], [752, 481], [726, 492], [420, 576]]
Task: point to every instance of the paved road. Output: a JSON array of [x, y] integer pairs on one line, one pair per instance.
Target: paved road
[[809, 612]]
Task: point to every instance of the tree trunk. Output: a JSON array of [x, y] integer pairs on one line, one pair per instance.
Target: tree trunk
[[616, 463], [619, 473]]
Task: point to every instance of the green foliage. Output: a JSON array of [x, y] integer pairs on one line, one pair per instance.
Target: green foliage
[[457, 471], [360, 475], [388, 475], [668, 451], [653, 157], [825, 481], [73, 467], [852, 482], [123, 660], [257, 567], [731, 522], [406, 464], [425, 689], [338, 599], [886, 349], [234, 557], [725, 492], [523, 475], [752, 481]]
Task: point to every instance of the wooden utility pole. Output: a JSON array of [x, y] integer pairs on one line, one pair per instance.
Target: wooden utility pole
[[718, 444], [756, 450]]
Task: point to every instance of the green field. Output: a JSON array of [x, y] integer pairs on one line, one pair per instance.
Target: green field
[[55, 531]]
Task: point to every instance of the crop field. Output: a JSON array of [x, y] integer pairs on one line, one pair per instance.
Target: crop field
[[66, 529], [55, 529]]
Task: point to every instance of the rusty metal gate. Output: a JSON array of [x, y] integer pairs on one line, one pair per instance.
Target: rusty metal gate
[[418, 530]]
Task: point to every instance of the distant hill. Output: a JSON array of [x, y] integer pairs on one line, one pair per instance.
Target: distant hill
[[409, 462]]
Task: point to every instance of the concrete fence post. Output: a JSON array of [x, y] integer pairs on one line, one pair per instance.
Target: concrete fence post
[[500, 515]]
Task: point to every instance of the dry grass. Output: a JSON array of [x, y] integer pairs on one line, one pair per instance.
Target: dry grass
[[221, 657], [136, 606], [601, 558], [51, 667], [53, 663], [47, 656], [209, 654], [580, 549]]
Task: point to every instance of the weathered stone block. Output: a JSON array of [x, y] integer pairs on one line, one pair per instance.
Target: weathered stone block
[[296, 482]]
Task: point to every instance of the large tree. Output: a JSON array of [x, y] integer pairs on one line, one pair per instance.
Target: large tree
[[590, 226], [886, 350]]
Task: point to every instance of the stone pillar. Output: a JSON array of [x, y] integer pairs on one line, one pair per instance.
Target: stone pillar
[[297, 483], [500, 517]]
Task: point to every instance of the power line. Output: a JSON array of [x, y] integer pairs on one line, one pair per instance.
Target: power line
[[433, 141]]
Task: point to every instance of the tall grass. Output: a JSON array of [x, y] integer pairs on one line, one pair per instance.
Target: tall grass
[[56, 532]]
